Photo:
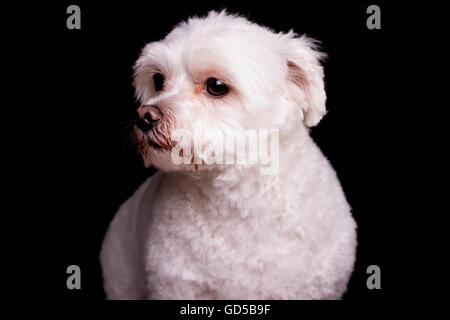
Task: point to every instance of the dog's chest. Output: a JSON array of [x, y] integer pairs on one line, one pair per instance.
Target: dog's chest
[[203, 242]]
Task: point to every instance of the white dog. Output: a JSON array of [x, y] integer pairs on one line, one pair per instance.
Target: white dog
[[206, 229]]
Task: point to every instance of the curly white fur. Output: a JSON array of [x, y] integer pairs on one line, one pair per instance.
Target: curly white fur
[[226, 231]]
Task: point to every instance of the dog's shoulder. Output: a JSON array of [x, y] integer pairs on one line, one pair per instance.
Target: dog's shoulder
[[120, 255], [125, 221]]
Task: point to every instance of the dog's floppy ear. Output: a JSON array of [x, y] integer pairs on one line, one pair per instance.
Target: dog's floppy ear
[[305, 71]]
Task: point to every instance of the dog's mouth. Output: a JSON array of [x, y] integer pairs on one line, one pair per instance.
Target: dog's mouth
[[159, 140], [155, 146], [156, 134], [156, 139]]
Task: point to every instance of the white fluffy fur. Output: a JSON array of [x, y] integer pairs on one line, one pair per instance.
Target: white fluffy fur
[[228, 232]]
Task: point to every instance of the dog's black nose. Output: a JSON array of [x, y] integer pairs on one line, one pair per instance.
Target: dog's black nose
[[146, 116]]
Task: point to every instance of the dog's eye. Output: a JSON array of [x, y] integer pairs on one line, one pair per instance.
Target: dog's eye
[[216, 87], [158, 79]]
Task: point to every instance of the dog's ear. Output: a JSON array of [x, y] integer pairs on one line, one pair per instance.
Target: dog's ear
[[306, 73]]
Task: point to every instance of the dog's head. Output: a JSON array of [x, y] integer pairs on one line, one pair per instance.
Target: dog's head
[[218, 77]]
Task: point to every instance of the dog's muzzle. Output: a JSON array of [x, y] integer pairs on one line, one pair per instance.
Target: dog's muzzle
[[155, 124]]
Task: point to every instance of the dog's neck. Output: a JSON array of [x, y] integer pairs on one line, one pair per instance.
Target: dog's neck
[[237, 185]]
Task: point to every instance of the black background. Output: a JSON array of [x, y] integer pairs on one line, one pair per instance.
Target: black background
[[84, 168]]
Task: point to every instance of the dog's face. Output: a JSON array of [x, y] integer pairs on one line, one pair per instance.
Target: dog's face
[[222, 74]]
